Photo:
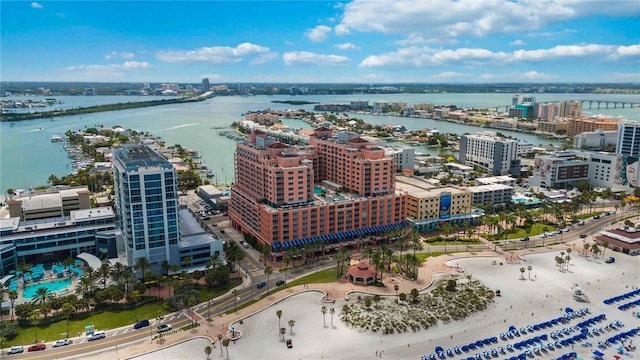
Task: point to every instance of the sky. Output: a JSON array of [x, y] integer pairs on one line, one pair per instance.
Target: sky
[[368, 41]]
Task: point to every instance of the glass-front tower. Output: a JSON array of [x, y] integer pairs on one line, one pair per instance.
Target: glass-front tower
[[146, 190]]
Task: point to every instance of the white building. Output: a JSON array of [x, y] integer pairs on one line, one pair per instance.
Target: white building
[[494, 154], [405, 157], [595, 140]]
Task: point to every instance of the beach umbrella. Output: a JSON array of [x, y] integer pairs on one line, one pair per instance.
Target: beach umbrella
[[512, 328], [439, 349]]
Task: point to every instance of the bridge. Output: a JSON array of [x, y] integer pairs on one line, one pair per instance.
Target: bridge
[[592, 104]]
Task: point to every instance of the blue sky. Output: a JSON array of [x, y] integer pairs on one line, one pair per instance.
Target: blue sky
[[370, 41]]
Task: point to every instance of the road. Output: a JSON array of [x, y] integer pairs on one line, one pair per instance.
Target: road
[[252, 267]]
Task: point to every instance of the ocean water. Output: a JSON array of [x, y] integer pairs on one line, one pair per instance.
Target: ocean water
[[28, 157]]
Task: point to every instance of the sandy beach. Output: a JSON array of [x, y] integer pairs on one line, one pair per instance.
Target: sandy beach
[[544, 296]]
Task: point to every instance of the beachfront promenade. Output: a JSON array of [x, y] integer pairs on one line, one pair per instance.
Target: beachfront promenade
[[517, 305]]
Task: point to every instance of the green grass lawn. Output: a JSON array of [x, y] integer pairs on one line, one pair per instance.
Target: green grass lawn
[[536, 229], [103, 321]]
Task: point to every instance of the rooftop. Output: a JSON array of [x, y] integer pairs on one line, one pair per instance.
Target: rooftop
[[136, 155]]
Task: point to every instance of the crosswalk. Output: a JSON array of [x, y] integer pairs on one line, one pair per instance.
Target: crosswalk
[[121, 331]]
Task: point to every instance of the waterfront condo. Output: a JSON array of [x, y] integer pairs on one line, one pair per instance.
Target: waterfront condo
[[336, 190]]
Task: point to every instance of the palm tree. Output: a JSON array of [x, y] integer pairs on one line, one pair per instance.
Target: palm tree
[[396, 287], [605, 245], [332, 311], [142, 265], [117, 271], [282, 332], [225, 343], [220, 341], [13, 295], [166, 266], [291, 324], [323, 309], [529, 268], [279, 315], [208, 350], [522, 270], [268, 271], [42, 295], [104, 271], [34, 316], [235, 299], [67, 309]]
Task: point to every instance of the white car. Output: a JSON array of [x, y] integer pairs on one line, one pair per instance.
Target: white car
[[62, 342], [97, 335], [16, 350]]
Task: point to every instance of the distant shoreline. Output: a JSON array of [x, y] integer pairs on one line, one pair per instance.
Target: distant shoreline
[[96, 109]]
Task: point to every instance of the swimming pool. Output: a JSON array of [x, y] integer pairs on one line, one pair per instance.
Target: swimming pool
[[53, 286], [317, 190]]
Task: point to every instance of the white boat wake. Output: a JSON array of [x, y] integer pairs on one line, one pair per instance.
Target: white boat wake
[[181, 126]]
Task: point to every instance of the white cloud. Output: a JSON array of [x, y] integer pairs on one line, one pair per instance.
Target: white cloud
[[109, 72], [36, 5], [264, 58], [210, 76], [517, 42], [341, 30], [425, 56], [305, 57], [347, 46], [119, 55], [454, 18], [318, 33], [417, 39], [537, 76], [213, 55]]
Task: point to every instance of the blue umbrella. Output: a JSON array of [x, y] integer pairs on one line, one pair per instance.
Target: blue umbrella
[[439, 349]]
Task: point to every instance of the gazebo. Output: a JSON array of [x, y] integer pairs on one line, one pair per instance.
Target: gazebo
[[362, 274]]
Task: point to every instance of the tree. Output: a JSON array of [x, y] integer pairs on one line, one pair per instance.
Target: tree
[[396, 287], [323, 309], [142, 265], [13, 295], [67, 309], [42, 295], [279, 315], [117, 271], [332, 311], [522, 270], [268, 270], [291, 324], [225, 343], [529, 268], [34, 316], [605, 245], [282, 332], [105, 272], [220, 341], [208, 350]]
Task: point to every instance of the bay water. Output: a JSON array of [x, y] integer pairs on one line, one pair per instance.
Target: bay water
[[28, 157]]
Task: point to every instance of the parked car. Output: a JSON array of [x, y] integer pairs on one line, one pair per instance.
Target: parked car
[[597, 217], [163, 328], [525, 239], [261, 284], [581, 223], [141, 324], [16, 350], [97, 335], [62, 342], [289, 343], [583, 236], [610, 260], [279, 282], [37, 347]]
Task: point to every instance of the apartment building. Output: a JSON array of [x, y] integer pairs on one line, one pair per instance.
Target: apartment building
[[405, 157], [51, 202], [146, 199], [596, 140], [558, 168], [490, 152], [495, 194], [429, 206], [334, 190], [580, 125], [628, 141]]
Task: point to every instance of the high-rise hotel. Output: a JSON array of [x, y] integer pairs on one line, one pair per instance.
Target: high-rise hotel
[[146, 190], [336, 190]]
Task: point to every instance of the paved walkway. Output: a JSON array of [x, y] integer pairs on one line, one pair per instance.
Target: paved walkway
[[432, 269]]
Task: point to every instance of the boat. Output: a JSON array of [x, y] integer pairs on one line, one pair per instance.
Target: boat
[[12, 124], [209, 173], [56, 138]]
